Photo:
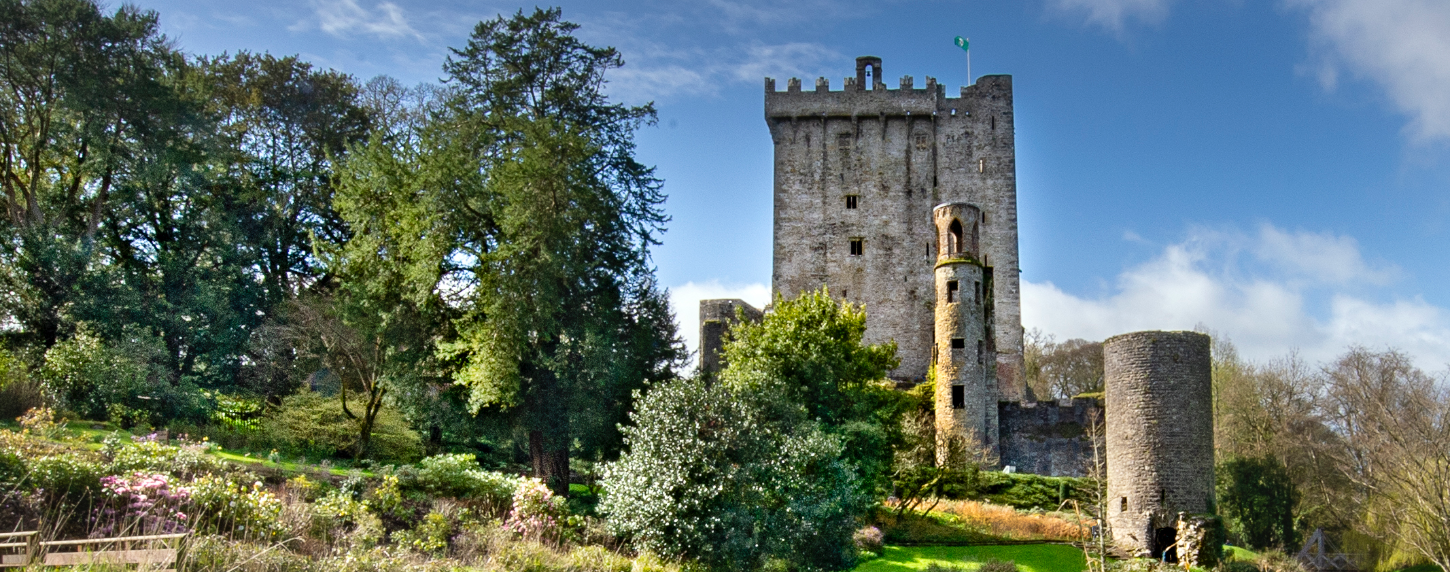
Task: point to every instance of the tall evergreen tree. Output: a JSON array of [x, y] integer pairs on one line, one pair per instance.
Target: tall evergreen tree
[[520, 207]]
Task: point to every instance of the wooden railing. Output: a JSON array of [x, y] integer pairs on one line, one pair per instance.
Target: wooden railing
[[17, 548], [155, 552]]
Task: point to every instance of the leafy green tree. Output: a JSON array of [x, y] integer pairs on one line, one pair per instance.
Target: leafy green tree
[[1258, 500], [809, 351], [733, 479], [517, 210], [82, 96]]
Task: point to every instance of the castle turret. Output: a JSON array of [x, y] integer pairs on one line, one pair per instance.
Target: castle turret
[[1159, 394], [966, 359]]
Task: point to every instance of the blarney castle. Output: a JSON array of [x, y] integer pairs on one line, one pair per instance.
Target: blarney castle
[[905, 200]]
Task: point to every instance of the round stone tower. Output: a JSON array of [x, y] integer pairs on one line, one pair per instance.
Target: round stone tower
[[1159, 435], [964, 352]]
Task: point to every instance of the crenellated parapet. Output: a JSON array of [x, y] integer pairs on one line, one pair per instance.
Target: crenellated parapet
[[859, 166]]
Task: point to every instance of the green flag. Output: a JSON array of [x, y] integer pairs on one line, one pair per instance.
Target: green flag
[[961, 43]]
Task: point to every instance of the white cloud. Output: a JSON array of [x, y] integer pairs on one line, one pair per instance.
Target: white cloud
[[343, 18], [1403, 45], [1258, 290], [657, 73], [1113, 15], [685, 301]]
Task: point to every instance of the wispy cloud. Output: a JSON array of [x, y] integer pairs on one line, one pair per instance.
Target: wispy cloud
[[345, 18], [1403, 45], [1260, 289], [1113, 15], [685, 301]]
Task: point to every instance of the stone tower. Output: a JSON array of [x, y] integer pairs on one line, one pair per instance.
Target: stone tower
[[966, 380], [1159, 435], [857, 173]]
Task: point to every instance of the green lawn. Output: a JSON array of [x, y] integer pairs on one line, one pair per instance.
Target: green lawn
[[1029, 557]]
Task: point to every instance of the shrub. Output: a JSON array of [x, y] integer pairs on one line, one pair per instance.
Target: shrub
[[459, 476], [140, 504], [225, 506], [69, 478], [147, 454], [310, 423], [97, 380], [19, 392], [869, 539], [1026, 491], [710, 476], [536, 512], [430, 537], [994, 565]]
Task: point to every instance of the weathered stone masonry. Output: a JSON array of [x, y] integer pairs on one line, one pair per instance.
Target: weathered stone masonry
[[857, 173], [1159, 435], [966, 380]]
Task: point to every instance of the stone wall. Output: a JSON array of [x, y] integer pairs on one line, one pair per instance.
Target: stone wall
[[1048, 437], [1159, 434], [716, 317], [894, 154]]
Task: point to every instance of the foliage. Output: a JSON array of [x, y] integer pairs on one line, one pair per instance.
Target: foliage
[[519, 211], [1027, 491], [19, 391], [808, 351], [868, 539], [712, 474], [100, 380], [222, 505], [147, 454], [310, 423], [142, 504], [536, 512], [458, 476], [1062, 370], [1257, 500]]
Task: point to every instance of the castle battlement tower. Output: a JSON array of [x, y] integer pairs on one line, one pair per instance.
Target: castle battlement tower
[[857, 174], [966, 361]]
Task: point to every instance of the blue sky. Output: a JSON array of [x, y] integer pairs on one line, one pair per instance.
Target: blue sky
[[1275, 170]]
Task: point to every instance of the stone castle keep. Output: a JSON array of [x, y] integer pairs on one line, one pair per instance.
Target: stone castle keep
[[905, 200]]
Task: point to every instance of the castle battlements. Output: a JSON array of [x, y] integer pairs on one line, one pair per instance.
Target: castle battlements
[[855, 100]]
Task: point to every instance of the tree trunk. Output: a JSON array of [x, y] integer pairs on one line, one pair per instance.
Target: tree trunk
[[549, 430]]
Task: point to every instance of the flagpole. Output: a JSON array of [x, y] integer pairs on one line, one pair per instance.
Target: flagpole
[[966, 46]]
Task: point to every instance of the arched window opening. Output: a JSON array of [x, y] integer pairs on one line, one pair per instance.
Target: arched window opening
[[954, 237]]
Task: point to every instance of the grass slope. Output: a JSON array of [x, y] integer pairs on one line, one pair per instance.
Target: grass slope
[[1029, 557]]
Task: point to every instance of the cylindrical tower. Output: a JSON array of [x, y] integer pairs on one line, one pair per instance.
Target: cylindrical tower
[[1159, 435], [965, 355]]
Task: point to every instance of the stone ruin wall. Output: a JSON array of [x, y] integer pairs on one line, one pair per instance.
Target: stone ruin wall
[[901, 152], [1049, 437], [716, 317], [1159, 433]]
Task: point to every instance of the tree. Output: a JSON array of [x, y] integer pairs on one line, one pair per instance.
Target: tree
[[83, 95], [809, 351], [371, 347], [519, 207], [1258, 499], [733, 479], [1395, 421]]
